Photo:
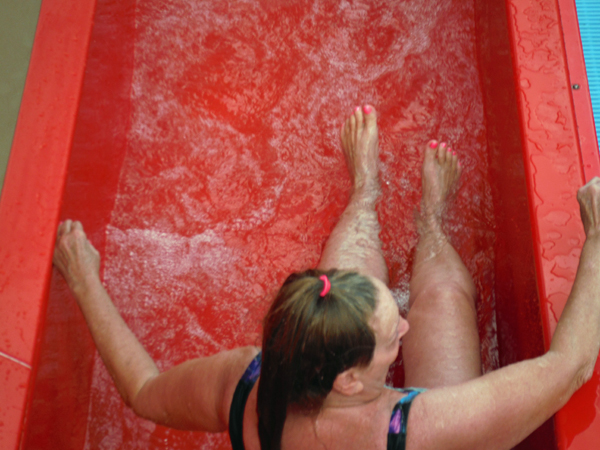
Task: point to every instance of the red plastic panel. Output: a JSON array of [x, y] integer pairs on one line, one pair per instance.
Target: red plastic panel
[[59, 405], [550, 147], [518, 317], [34, 183], [37, 169], [580, 90], [14, 379], [555, 172], [578, 425]]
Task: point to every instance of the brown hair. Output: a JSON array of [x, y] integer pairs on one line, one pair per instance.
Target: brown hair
[[308, 340]]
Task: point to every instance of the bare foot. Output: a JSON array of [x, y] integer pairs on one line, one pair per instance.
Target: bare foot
[[441, 171], [360, 142]]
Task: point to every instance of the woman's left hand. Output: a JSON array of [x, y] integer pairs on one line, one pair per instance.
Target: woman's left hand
[[75, 257]]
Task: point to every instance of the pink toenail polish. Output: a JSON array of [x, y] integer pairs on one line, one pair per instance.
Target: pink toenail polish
[[357, 109], [433, 144], [368, 109], [443, 145], [453, 153]]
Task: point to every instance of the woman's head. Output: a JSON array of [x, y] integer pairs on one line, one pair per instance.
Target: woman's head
[[309, 340]]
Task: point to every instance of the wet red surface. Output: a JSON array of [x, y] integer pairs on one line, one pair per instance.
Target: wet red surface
[[15, 377], [233, 176], [559, 158], [206, 168]]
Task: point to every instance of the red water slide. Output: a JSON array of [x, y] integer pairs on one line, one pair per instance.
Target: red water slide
[[198, 144]]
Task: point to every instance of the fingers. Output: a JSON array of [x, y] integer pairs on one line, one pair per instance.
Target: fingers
[[62, 230], [64, 227], [588, 197], [594, 183], [589, 191], [68, 226], [74, 255], [69, 231]]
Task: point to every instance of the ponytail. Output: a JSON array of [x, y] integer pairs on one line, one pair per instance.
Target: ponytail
[[308, 340]]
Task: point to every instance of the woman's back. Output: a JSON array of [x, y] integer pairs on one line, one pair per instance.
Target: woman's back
[[348, 428]]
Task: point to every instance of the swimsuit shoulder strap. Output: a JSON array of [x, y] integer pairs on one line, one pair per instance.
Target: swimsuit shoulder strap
[[238, 404], [397, 430]]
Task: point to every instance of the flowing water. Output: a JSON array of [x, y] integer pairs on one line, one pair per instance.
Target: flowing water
[[234, 176]]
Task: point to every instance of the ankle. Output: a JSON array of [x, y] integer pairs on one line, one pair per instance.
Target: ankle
[[429, 220], [365, 195], [366, 186]]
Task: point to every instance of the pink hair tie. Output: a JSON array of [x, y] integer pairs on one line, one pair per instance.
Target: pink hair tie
[[326, 285]]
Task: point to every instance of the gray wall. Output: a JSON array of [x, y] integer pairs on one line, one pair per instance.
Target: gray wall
[[18, 19]]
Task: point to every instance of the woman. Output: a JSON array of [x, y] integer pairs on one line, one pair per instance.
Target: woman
[[332, 333]]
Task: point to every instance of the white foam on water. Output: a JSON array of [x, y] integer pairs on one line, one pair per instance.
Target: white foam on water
[[401, 294], [203, 140]]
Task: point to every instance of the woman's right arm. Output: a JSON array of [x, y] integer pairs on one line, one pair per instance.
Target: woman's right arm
[[195, 395], [501, 408]]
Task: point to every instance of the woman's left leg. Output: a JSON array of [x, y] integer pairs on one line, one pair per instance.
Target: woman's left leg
[[442, 345], [354, 243]]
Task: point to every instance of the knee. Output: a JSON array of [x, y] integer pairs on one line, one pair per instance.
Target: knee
[[446, 297]]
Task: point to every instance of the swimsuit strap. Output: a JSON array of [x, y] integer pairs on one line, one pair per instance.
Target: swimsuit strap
[[397, 430], [238, 404]]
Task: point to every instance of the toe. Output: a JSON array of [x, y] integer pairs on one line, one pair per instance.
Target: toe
[[344, 134], [430, 151], [352, 128], [358, 116], [449, 158], [454, 159], [370, 116], [442, 152]]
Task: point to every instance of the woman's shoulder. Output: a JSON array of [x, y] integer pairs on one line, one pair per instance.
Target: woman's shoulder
[[398, 395], [364, 426], [237, 362], [241, 357]]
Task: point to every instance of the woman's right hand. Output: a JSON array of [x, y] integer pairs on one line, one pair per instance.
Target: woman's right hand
[[588, 197], [74, 256]]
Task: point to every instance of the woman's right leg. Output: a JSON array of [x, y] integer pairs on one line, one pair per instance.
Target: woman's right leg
[[354, 242], [442, 345]]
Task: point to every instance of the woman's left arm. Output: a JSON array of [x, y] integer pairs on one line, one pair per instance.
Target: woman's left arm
[[194, 395]]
